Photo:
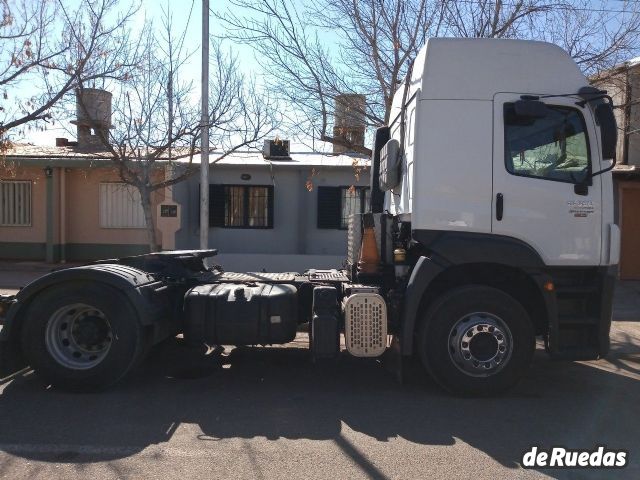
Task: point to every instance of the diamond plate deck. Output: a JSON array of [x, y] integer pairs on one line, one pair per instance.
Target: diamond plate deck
[[328, 276], [236, 277]]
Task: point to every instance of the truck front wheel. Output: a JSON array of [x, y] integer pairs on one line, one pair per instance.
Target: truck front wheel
[[82, 337], [476, 341]]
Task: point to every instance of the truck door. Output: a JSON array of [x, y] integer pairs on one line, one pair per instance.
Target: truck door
[[542, 190]]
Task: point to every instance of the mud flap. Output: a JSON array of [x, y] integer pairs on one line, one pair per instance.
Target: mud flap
[[394, 362]]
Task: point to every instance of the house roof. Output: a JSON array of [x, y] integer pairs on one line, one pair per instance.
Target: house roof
[[298, 159], [26, 150], [70, 157]]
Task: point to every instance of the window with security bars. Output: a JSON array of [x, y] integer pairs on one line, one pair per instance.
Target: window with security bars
[[120, 206], [337, 204], [15, 203], [241, 206]]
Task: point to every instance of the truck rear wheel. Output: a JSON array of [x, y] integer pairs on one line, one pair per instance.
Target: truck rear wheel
[[476, 341], [82, 337]]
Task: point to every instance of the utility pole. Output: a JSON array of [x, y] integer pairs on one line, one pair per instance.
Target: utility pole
[[204, 136]]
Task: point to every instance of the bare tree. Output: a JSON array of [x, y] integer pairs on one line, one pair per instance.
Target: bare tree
[[597, 36], [157, 123], [376, 45], [47, 49], [374, 41]]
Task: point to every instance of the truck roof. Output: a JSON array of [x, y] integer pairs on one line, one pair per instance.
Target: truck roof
[[478, 68]]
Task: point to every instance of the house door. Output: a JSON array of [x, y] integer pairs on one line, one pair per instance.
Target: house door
[[630, 230]]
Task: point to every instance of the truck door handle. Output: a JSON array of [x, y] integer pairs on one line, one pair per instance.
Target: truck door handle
[[499, 206]]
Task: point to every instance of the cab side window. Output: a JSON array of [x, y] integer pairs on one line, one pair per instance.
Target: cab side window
[[554, 147]]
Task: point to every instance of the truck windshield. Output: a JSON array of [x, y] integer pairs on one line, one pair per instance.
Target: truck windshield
[[554, 147]]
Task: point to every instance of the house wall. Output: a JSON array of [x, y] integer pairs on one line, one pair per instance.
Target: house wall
[[28, 241], [295, 243], [623, 86], [633, 157], [74, 212], [85, 238]]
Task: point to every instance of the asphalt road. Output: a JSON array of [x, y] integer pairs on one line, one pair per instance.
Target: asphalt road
[[268, 413]]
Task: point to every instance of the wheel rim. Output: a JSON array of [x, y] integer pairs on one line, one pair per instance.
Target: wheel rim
[[480, 344], [78, 336]]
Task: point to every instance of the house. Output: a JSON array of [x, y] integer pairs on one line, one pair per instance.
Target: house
[[273, 210], [623, 85], [63, 204], [277, 213], [67, 202]]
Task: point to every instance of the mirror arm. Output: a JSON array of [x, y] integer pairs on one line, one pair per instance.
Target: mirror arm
[[604, 170], [582, 103]]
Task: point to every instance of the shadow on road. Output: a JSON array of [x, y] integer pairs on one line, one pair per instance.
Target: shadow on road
[[275, 393]]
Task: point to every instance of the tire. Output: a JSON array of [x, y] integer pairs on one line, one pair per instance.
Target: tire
[[476, 341], [82, 337]]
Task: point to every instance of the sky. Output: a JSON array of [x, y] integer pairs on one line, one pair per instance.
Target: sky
[[190, 12], [185, 12]]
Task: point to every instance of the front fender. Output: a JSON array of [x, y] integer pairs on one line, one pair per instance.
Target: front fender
[[424, 271], [453, 248]]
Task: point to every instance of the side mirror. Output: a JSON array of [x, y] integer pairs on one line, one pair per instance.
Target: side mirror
[[381, 137], [608, 130], [390, 165]]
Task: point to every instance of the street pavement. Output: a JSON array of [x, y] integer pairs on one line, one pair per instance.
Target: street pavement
[[269, 413]]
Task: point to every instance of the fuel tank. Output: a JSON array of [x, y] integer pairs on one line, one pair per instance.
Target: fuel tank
[[240, 314]]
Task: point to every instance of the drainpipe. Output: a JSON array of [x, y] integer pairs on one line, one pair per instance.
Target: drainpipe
[[48, 173], [303, 213], [627, 117], [63, 215]]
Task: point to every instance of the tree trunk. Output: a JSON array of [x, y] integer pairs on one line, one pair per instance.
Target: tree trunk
[[145, 196]]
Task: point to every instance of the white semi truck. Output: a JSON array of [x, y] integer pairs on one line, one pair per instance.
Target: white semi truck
[[491, 224]]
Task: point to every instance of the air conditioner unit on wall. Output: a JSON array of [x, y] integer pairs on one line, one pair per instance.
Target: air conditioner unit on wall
[[276, 149]]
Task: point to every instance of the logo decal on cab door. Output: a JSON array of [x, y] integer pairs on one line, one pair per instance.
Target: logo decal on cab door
[[580, 208]]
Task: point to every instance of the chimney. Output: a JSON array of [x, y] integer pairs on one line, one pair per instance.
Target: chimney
[[93, 117], [349, 123]]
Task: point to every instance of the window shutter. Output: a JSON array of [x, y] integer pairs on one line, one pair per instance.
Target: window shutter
[[217, 200], [120, 206], [329, 207], [270, 206]]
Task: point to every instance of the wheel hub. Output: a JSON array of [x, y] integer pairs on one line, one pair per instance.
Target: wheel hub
[[483, 346], [480, 344], [90, 331], [78, 336]]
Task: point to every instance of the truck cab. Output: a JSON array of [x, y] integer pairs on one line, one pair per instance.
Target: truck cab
[[465, 147], [490, 225], [495, 164]]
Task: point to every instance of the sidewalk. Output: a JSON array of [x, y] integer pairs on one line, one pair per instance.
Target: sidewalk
[[626, 300], [13, 275]]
